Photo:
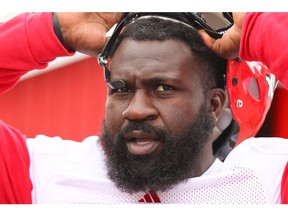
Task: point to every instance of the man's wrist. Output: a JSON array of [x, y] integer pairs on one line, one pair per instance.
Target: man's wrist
[[58, 32]]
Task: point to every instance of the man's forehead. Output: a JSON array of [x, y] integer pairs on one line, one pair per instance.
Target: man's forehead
[[151, 55]]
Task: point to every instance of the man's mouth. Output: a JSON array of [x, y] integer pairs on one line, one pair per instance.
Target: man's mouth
[[141, 143]]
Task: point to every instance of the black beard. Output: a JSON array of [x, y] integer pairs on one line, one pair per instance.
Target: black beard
[[160, 170]]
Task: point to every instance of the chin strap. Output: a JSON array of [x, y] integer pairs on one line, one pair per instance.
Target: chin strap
[[226, 141], [228, 129]]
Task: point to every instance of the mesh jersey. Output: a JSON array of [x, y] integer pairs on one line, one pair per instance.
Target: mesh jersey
[[64, 171]]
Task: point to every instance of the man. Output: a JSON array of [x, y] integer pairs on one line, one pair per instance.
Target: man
[[161, 77], [166, 93]]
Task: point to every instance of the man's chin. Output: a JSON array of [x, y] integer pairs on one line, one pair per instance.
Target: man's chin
[[161, 164], [141, 173]]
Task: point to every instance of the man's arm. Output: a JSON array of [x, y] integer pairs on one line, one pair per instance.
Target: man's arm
[[15, 183], [256, 37], [265, 38], [27, 42]]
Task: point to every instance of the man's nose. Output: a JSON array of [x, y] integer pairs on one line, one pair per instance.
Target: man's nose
[[140, 107]]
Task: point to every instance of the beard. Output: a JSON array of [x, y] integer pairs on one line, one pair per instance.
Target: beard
[[164, 168]]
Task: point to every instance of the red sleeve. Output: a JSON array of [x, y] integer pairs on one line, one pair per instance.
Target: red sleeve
[[27, 42], [15, 183], [284, 186], [265, 38]]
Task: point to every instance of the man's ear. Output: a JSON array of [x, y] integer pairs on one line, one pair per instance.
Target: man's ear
[[218, 101]]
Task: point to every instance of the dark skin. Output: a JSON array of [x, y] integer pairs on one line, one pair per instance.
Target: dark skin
[[85, 32], [163, 89], [228, 45]]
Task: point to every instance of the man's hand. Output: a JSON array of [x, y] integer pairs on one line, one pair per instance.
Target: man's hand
[[86, 32], [227, 46]]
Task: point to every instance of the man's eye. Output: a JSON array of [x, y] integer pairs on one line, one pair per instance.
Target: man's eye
[[121, 90], [163, 88]]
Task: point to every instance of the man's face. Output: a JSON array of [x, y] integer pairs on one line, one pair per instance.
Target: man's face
[[156, 128]]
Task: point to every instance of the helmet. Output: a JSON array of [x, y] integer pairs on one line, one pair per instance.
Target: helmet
[[249, 85]]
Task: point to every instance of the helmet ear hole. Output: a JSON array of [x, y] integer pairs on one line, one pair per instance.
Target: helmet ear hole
[[254, 89]]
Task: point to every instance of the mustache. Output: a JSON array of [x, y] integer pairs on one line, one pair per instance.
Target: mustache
[[143, 126]]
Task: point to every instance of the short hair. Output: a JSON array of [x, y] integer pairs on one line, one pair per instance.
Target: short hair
[[159, 29]]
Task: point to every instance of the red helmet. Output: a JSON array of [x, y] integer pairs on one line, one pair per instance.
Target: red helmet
[[250, 87]]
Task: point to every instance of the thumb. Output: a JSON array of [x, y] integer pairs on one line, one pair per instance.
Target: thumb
[[226, 47], [208, 41]]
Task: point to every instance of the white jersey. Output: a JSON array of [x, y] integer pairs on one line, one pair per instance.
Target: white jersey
[[64, 171]]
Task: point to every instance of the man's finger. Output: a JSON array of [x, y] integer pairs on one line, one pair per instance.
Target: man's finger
[[208, 41]]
